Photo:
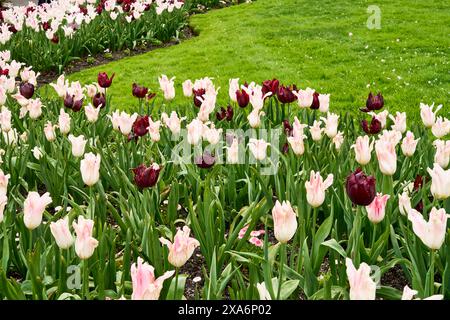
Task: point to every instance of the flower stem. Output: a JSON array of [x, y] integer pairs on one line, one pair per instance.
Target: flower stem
[[176, 284], [86, 279], [282, 256]]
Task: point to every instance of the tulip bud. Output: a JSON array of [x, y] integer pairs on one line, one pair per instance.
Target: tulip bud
[[64, 122], [182, 248], [374, 128], [26, 89], [387, 157], [140, 126], [409, 144], [146, 177], [49, 131], [376, 210], [78, 145], [99, 100], [315, 188], [139, 91], [103, 80], [374, 102], [284, 220], [360, 188], [33, 209], [61, 233], [85, 244], [242, 98], [145, 285], [90, 168], [362, 287], [440, 182]]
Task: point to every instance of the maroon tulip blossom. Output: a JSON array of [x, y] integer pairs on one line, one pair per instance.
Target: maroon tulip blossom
[[139, 91], [140, 126], [103, 80], [225, 113], [374, 102], [373, 128], [4, 72], [270, 86], [316, 103], [287, 127], [45, 25], [99, 99], [285, 94], [285, 148], [242, 98], [205, 161], [360, 188], [151, 95], [146, 177], [55, 39], [71, 103], [198, 94], [26, 89]]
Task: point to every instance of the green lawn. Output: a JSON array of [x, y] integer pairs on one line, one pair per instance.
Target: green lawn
[[307, 43]]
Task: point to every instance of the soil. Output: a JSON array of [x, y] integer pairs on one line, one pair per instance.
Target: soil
[[395, 278]]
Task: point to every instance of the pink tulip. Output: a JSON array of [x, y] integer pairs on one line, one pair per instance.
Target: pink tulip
[[376, 210], [194, 131], [64, 122], [362, 287], [182, 248], [324, 103], [304, 97], [61, 233], [33, 209], [408, 294], [233, 87], [432, 233], [316, 130], [145, 285], [254, 118], [4, 179], [442, 155], [427, 114], [92, 112], [315, 188], [187, 88], [90, 168], [363, 150], [173, 122], [153, 129], [399, 122], [233, 152], [440, 182], [49, 131], [381, 116], [61, 86], [85, 244], [258, 148], [409, 144], [115, 120], [212, 135], [284, 220], [167, 87], [3, 203], [441, 127], [331, 124], [404, 203], [387, 157], [78, 145], [34, 108], [338, 140], [5, 119], [125, 122]]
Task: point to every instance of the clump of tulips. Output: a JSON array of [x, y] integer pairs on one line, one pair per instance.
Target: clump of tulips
[[305, 200]]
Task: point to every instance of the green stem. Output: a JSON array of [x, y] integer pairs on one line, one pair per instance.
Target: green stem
[[86, 279], [176, 284], [282, 256]]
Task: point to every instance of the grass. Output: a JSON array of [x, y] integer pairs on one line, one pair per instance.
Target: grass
[[322, 44]]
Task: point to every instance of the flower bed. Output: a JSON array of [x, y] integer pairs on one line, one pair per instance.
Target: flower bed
[[277, 196], [50, 36]]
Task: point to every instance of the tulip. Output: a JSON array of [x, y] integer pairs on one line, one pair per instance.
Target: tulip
[[233, 152], [145, 285], [288, 130], [26, 89], [387, 157], [115, 120], [140, 126], [99, 100], [146, 177], [316, 130], [4, 179], [167, 86], [315, 188], [3, 203], [172, 122], [5, 119], [49, 131], [297, 144], [61, 233], [427, 114], [91, 113], [37, 153], [205, 161], [91, 90], [212, 135], [399, 122], [78, 145], [338, 140], [225, 113], [232, 88], [363, 150], [258, 148], [198, 96], [404, 203], [194, 131], [61, 86], [153, 128], [374, 102], [409, 144], [408, 294], [90, 168], [33, 209], [85, 244], [125, 122], [242, 98], [284, 221], [315, 102], [34, 107], [360, 188], [182, 247], [374, 128], [103, 80], [187, 88], [442, 155], [64, 122], [254, 118], [441, 127], [331, 124], [440, 182], [391, 136], [139, 91], [376, 210], [304, 97], [263, 292], [270, 86], [381, 116], [285, 95], [71, 103], [324, 102], [362, 287], [432, 233]]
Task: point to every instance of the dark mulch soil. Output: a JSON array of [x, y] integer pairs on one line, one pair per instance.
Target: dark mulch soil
[[395, 278], [193, 268]]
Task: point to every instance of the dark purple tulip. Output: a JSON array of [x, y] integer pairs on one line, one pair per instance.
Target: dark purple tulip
[[374, 102], [229, 113], [285, 148], [146, 177], [316, 103], [26, 90], [198, 94], [139, 91], [225, 113], [373, 128], [99, 99], [270, 86], [103, 80], [287, 127], [140, 126], [205, 161], [360, 188], [285, 95], [68, 101], [242, 98], [77, 105]]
